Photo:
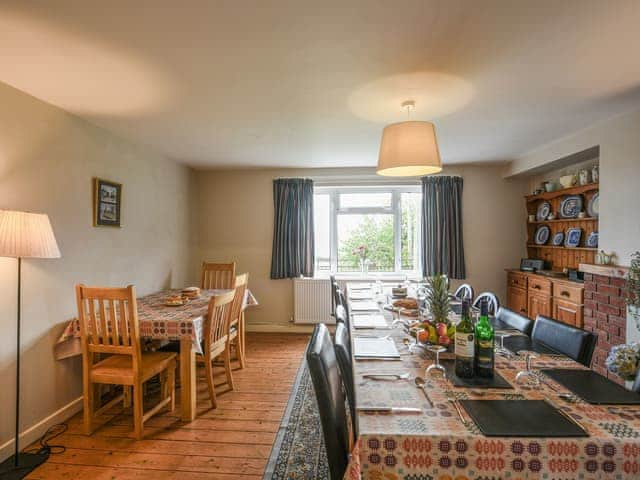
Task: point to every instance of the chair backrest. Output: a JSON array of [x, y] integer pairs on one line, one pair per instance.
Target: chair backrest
[[636, 383], [338, 295], [109, 322], [333, 285], [573, 342], [492, 301], [464, 291], [217, 322], [342, 317], [514, 320], [327, 383], [341, 300], [238, 299], [342, 346], [218, 275]]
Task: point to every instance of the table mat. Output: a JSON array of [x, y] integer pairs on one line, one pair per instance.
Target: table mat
[[592, 387], [497, 381]]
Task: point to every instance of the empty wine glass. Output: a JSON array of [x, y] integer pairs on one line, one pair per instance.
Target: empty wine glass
[[528, 376], [501, 350], [435, 368]]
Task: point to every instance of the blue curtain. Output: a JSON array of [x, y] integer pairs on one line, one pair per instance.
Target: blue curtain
[[293, 237], [442, 226]]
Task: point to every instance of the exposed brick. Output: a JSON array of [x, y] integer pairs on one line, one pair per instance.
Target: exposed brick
[[601, 279], [601, 317], [601, 298], [615, 378], [600, 370], [619, 302], [608, 309], [588, 277], [587, 312], [618, 322], [609, 290], [590, 286], [619, 282], [590, 304], [588, 295], [603, 336]]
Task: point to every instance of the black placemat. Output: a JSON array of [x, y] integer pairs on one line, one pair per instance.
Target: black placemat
[[521, 418], [522, 342], [592, 387], [497, 381]]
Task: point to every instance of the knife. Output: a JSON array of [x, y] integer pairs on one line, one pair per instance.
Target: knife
[[390, 409]]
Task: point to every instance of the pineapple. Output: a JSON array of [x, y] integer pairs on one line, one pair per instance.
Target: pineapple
[[437, 299]]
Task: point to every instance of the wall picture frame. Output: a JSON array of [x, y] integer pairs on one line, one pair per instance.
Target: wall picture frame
[[107, 203]]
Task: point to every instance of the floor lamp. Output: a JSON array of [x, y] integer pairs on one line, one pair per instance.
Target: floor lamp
[[24, 235]]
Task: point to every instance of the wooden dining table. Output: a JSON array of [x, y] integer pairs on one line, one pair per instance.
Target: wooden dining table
[[437, 444], [160, 323]]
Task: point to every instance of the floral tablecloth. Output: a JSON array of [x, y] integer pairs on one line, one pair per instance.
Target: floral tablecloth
[[437, 445], [157, 321]]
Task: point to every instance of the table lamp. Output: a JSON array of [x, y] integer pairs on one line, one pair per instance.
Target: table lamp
[[24, 235]]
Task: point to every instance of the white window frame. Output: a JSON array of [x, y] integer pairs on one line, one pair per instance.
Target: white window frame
[[395, 209]]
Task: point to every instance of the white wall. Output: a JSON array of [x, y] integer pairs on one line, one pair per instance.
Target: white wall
[[47, 161]]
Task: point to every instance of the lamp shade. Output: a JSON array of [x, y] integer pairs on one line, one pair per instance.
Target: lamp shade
[[27, 235], [409, 149]]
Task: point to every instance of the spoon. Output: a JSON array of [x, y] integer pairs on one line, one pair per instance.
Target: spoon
[[421, 384]]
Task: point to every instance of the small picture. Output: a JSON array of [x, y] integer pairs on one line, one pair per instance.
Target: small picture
[[107, 203]]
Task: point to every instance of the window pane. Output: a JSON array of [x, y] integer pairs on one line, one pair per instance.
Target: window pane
[[321, 219], [410, 234], [373, 232], [359, 200]]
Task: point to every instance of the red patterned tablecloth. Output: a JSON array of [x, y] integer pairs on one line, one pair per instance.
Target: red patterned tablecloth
[[158, 321], [436, 445]]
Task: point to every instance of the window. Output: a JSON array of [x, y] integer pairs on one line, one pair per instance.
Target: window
[[377, 228]]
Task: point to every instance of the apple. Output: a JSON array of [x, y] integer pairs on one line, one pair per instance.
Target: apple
[[441, 328], [423, 336], [444, 340]]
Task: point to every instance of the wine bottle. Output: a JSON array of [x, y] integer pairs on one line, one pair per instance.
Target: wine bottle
[[484, 343], [465, 344]]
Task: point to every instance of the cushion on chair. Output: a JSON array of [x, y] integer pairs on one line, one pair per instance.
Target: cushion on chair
[[573, 342], [327, 383], [342, 345], [511, 319]]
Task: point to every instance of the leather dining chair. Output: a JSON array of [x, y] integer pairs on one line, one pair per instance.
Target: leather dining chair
[[506, 318], [327, 383], [342, 316], [492, 301], [333, 285], [464, 291], [342, 346], [573, 342]]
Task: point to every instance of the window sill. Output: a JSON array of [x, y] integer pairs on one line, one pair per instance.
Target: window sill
[[372, 277]]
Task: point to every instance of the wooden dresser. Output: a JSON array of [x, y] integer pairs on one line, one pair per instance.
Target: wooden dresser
[[531, 295]]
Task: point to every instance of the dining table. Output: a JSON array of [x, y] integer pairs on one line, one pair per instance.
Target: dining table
[[161, 323], [444, 442]]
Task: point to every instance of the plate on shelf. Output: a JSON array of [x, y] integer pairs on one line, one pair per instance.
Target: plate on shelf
[[543, 211], [557, 239], [572, 238], [593, 207], [542, 235], [592, 240], [570, 206]]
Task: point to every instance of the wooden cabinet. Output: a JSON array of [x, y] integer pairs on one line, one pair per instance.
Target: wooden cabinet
[[538, 305], [567, 312], [517, 300]]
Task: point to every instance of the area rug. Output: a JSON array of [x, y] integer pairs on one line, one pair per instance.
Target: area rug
[[298, 452]]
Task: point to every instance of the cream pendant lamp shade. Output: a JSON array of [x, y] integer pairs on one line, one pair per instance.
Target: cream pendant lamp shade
[[409, 149], [26, 235]]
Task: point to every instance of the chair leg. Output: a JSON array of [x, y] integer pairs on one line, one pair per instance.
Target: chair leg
[[126, 392], [242, 339], [208, 368], [138, 411], [171, 385], [227, 366], [88, 401], [240, 344]]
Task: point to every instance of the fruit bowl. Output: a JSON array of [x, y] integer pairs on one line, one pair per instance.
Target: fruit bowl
[[428, 333]]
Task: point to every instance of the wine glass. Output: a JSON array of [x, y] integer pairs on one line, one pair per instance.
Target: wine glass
[[528, 376], [501, 350], [436, 368]]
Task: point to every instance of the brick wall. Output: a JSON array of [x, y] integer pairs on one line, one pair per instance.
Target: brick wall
[[605, 314]]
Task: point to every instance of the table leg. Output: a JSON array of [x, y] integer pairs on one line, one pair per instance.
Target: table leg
[[188, 393]]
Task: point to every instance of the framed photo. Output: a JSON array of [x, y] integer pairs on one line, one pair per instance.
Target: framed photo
[[107, 199]]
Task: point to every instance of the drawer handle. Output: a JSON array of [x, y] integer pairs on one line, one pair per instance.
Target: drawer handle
[[564, 293], [537, 287], [523, 310]]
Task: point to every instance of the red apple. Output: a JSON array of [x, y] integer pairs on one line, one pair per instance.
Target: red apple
[[444, 340], [441, 328]]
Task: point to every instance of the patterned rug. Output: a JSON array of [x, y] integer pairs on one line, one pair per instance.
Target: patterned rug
[[298, 452]]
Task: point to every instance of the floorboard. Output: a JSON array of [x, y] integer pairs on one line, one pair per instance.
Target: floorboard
[[231, 441]]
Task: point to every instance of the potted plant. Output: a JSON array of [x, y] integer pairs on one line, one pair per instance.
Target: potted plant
[[624, 361], [633, 290], [361, 252]]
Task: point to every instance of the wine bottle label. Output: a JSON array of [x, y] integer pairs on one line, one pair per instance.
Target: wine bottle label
[[465, 344]]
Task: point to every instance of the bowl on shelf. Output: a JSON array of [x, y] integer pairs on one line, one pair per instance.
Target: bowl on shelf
[[549, 186], [567, 181]]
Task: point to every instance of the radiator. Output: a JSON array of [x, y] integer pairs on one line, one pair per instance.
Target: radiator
[[312, 301]]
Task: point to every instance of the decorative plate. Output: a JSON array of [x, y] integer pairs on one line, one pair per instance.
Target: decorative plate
[[572, 238], [592, 240], [593, 207], [542, 235], [557, 239], [570, 206], [543, 211]]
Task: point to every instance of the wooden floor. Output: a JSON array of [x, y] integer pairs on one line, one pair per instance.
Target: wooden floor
[[232, 441]]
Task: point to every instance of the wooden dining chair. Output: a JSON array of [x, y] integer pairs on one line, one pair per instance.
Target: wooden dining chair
[[217, 341], [218, 275], [109, 326], [236, 319]]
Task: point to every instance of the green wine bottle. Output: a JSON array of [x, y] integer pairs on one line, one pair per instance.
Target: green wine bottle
[[465, 344], [484, 343]]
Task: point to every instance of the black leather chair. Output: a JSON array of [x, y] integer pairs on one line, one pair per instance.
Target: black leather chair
[[327, 383], [492, 301], [341, 300], [506, 318], [464, 291], [573, 342], [342, 346], [342, 316], [333, 285]]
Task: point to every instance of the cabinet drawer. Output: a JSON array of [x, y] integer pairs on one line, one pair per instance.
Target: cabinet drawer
[[518, 280], [539, 285], [570, 293]]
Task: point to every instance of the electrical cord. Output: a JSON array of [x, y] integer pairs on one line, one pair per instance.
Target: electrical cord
[[44, 442]]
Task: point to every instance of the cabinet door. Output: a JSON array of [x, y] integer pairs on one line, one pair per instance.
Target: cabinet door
[[517, 300], [539, 305], [567, 312]]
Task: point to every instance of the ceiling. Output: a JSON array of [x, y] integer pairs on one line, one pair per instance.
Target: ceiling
[[311, 84]]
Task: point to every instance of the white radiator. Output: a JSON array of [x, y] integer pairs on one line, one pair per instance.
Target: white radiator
[[312, 300]]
